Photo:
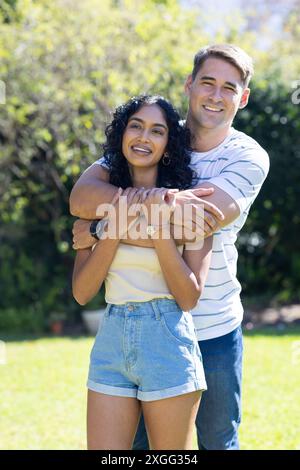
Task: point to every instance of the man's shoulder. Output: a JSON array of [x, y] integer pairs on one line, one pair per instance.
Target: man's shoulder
[[243, 143], [237, 147], [244, 151]]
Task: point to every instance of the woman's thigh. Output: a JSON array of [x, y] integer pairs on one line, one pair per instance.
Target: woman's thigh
[[111, 421], [170, 422]]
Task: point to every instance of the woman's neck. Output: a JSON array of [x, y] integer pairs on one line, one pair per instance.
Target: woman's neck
[[144, 177]]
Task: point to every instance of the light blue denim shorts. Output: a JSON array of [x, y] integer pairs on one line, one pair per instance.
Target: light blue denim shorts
[[146, 350]]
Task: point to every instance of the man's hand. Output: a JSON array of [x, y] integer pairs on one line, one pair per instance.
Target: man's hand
[[156, 207], [81, 234], [206, 223]]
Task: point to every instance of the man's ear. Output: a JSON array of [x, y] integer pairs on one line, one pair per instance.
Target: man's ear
[[244, 98], [187, 85]]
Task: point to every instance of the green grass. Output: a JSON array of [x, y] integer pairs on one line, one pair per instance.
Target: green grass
[[42, 392], [271, 385]]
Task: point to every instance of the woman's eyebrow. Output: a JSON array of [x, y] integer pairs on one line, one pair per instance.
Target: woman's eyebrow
[[156, 124]]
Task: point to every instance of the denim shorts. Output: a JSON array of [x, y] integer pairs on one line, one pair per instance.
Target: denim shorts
[[146, 350]]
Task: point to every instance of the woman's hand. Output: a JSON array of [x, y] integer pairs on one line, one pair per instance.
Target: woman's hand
[[158, 206], [128, 209], [82, 237]]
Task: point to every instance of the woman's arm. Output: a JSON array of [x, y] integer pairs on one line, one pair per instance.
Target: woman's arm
[[91, 268], [185, 275], [92, 265], [91, 190]]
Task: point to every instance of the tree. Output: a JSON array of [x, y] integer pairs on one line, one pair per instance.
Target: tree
[[66, 65]]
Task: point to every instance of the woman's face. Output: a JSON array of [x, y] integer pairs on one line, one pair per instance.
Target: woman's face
[[145, 137]]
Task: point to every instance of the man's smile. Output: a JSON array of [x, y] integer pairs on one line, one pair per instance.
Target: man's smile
[[212, 109]]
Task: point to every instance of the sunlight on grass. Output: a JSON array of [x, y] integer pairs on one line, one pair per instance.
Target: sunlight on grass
[[271, 410], [43, 393]]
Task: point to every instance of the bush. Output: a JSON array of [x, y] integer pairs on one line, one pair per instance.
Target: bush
[[269, 244], [25, 320]]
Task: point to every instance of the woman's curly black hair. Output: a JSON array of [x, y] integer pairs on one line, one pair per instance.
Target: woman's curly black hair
[[177, 174]]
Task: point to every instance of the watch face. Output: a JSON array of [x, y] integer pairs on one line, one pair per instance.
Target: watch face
[[93, 228], [99, 227]]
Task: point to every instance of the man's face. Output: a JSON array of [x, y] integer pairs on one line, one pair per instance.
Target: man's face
[[216, 94]]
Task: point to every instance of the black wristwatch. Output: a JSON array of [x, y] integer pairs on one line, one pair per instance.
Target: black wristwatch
[[97, 228]]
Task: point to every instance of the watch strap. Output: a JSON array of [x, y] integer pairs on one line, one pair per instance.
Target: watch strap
[[93, 227]]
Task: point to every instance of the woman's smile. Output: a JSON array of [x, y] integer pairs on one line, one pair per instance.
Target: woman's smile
[[140, 149]]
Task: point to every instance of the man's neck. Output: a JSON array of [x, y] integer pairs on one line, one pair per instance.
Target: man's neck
[[204, 139]]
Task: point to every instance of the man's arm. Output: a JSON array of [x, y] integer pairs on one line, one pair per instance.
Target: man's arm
[[210, 211], [239, 182], [91, 190], [225, 203]]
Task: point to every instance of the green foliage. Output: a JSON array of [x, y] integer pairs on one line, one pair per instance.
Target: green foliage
[[30, 319], [7, 11], [66, 65], [270, 245]]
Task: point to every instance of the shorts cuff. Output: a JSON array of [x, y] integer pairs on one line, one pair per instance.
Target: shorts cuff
[[109, 390], [171, 392]]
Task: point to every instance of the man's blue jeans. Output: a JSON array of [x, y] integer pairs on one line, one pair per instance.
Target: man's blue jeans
[[219, 414]]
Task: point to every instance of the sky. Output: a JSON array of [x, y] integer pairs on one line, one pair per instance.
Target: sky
[[267, 19]]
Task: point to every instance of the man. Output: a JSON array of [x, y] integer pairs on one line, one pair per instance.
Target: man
[[235, 166]]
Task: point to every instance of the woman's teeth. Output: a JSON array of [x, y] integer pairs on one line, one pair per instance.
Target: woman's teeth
[[140, 149]]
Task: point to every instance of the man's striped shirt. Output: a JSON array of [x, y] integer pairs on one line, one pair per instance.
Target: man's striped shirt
[[239, 167]]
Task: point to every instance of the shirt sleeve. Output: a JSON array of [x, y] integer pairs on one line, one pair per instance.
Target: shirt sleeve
[[101, 162], [243, 176]]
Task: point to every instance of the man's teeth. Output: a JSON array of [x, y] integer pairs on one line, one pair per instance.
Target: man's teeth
[[216, 110]]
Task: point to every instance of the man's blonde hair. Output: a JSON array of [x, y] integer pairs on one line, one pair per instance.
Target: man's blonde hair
[[230, 53]]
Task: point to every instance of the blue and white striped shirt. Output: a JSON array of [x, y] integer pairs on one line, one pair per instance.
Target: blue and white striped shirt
[[238, 166]]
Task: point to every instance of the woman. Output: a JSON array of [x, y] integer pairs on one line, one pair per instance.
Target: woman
[[145, 356]]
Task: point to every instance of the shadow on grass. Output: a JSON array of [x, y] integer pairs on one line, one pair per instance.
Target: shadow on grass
[[277, 330], [13, 338]]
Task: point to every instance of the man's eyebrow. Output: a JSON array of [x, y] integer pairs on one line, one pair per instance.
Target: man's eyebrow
[[155, 124], [233, 85], [206, 77]]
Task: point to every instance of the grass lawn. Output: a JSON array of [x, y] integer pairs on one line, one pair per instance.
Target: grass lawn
[[271, 385], [42, 392]]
